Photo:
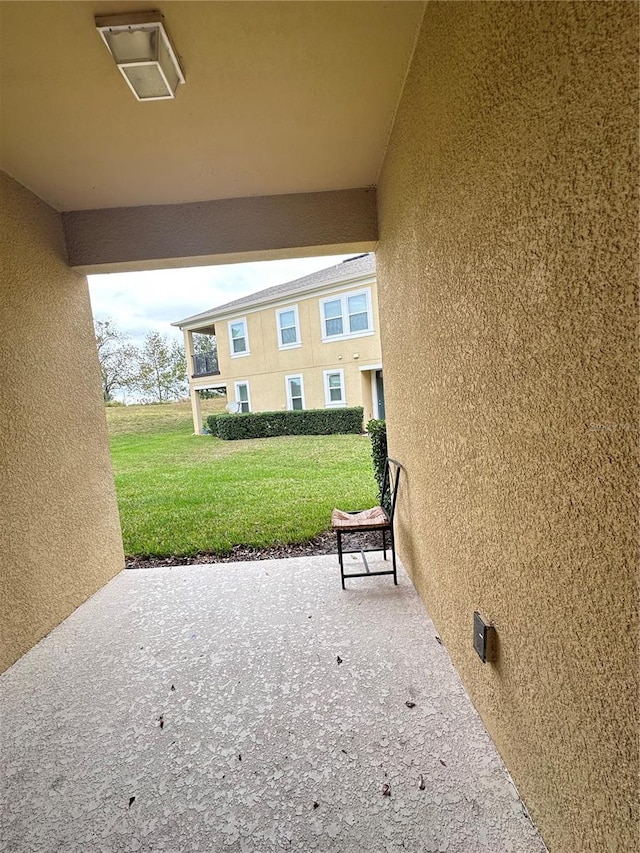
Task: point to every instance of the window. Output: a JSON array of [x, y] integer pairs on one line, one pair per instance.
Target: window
[[333, 318], [242, 396], [238, 338], [288, 327], [295, 392], [358, 309], [334, 388], [346, 316]]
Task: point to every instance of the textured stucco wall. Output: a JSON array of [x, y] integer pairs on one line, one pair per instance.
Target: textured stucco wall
[[59, 533], [507, 273]]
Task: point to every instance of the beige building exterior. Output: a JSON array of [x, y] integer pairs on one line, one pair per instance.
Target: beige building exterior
[[488, 154], [312, 343]]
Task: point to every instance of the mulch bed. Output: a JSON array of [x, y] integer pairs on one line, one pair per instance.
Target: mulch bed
[[325, 543]]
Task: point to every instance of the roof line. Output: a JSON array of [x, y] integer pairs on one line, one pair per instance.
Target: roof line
[[326, 277]]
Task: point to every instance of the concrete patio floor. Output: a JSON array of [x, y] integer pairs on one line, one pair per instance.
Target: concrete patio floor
[[205, 708]]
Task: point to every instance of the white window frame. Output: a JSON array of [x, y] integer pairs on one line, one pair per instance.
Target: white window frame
[[288, 390], [343, 298], [296, 316], [329, 403], [235, 322], [237, 394]]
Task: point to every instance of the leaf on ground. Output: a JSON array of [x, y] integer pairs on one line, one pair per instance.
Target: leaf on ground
[[315, 805], [410, 704], [161, 720], [438, 640], [386, 790], [131, 801], [339, 659], [422, 785], [239, 756], [442, 762], [173, 687]]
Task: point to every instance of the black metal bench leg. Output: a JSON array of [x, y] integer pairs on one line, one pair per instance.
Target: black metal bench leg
[[393, 557], [339, 535], [384, 543]]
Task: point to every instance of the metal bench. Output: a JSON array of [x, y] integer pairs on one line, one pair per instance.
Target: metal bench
[[377, 518]]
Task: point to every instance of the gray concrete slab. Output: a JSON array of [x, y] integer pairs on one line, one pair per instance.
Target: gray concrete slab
[[205, 708]]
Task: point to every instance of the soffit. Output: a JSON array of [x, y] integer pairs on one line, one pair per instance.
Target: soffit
[[280, 98]]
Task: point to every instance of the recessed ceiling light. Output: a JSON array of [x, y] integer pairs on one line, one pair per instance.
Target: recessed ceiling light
[[143, 53]]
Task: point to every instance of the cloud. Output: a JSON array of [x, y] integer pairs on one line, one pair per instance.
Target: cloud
[[139, 302]]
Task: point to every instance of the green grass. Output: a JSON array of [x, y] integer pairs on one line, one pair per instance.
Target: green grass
[[181, 494]]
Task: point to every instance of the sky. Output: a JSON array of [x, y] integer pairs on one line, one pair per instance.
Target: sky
[[139, 302]]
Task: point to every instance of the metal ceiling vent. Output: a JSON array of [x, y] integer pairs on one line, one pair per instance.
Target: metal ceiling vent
[[143, 52]]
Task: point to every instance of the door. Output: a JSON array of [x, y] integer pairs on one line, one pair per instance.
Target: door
[[380, 395]]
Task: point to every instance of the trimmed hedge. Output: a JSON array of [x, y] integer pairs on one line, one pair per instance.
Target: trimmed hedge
[[378, 433], [298, 422]]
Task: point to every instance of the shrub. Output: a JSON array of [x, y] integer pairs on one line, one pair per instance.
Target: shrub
[[299, 422], [378, 433]]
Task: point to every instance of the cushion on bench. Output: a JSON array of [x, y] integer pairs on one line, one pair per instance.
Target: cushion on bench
[[375, 517]]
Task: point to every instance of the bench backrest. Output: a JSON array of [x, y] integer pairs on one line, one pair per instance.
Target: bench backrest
[[390, 483]]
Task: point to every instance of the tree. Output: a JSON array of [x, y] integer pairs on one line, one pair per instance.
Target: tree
[[118, 358], [161, 369], [205, 345], [205, 348]]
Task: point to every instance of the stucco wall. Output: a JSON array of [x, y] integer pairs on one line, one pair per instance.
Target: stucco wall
[[268, 390], [60, 535], [507, 218]]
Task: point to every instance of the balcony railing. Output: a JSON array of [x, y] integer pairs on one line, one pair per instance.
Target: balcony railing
[[205, 365]]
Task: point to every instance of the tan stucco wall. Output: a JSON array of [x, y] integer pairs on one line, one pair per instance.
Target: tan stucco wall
[[268, 390], [266, 367], [60, 534], [507, 218]]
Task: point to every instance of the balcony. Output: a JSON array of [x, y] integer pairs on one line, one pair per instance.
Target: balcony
[[250, 707], [205, 365]]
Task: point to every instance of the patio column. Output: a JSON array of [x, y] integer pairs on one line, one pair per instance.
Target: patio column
[[196, 409]]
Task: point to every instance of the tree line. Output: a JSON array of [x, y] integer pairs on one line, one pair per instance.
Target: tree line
[[156, 372]]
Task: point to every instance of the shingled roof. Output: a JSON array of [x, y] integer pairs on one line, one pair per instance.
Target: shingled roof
[[351, 268]]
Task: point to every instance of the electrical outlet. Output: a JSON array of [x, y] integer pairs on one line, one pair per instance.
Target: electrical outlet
[[483, 638]]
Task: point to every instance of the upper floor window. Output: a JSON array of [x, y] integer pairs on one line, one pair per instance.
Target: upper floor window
[[295, 392], [288, 327], [238, 337], [242, 396], [347, 316]]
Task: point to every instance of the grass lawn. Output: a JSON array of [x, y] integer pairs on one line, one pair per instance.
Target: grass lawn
[[179, 494]]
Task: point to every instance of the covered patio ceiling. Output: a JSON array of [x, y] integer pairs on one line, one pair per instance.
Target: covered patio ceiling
[[250, 707], [280, 98]]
